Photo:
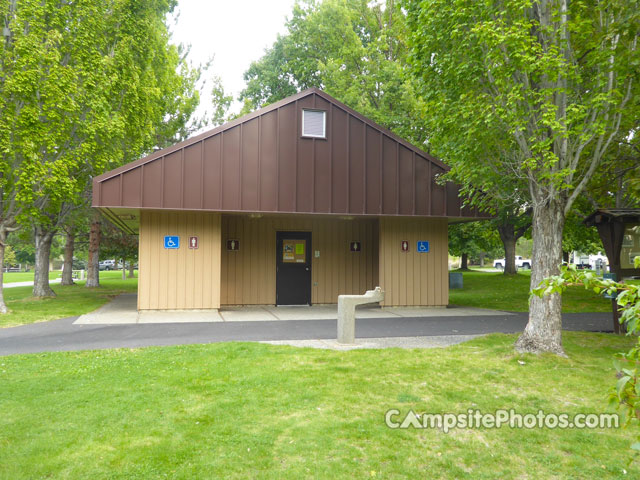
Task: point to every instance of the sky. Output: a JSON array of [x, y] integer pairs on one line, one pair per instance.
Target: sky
[[233, 32]]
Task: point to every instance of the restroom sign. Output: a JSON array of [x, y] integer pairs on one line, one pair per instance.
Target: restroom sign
[[354, 246], [404, 245], [422, 246], [193, 242], [233, 245], [171, 242]]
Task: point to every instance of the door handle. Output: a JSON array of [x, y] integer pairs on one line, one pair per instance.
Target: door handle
[[307, 269]]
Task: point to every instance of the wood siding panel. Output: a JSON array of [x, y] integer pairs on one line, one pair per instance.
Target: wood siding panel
[[131, 187], [373, 166], [269, 162], [249, 274], [287, 137], [262, 164], [389, 176], [339, 162], [192, 197], [250, 182], [183, 278], [110, 191], [406, 182], [212, 195], [305, 175], [172, 181], [356, 165], [152, 178], [414, 278], [231, 169]]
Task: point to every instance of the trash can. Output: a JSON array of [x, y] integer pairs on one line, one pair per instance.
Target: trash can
[[455, 280]]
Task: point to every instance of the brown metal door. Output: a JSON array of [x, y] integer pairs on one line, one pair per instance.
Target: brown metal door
[[293, 268]]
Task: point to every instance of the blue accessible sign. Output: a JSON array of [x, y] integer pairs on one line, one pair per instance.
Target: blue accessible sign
[[171, 241], [423, 247]]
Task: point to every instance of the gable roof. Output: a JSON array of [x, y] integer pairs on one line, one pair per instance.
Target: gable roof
[[261, 163]]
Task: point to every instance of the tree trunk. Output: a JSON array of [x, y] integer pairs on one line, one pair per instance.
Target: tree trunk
[[543, 332], [565, 257], [93, 269], [124, 269], [43, 239], [508, 237], [67, 269], [482, 255], [464, 262], [131, 270], [3, 238]]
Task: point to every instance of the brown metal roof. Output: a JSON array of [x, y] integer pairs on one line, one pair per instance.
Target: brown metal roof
[[261, 163]]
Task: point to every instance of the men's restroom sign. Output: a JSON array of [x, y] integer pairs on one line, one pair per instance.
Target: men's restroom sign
[[172, 242], [404, 246], [193, 242], [422, 247], [233, 245]]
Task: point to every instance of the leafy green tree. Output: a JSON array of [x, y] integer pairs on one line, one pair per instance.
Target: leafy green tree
[[555, 78], [627, 300], [86, 86], [221, 102], [354, 50], [9, 256], [120, 245], [473, 239]]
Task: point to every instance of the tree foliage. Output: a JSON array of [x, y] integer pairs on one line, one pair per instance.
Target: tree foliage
[[626, 393], [354, 50], [532, 90]]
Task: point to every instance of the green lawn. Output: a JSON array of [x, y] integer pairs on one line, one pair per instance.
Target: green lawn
[[240, 410], [70, 300], [13, 277], [511, 292]]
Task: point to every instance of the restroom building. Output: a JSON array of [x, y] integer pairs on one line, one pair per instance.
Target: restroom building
[[293, 204]]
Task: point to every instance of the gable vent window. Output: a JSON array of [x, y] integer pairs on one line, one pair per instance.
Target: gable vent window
[[314, 123]]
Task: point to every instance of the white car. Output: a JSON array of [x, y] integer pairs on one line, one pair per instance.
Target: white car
[[107, 265], [520, 263]]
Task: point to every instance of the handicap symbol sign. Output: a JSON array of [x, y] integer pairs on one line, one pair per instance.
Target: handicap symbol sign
[[423, 247], [171, 241]]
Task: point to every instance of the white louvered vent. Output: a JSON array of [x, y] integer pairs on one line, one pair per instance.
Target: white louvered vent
[[314, 123]]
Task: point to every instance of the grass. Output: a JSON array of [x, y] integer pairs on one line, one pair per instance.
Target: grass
[[511, 293], [69, 301], [247, 410], [14, 277]]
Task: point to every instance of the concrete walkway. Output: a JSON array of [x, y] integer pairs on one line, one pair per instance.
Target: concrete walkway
[[27, 284], [122, 310]]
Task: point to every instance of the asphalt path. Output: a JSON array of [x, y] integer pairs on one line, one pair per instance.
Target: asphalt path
[[62, 335]]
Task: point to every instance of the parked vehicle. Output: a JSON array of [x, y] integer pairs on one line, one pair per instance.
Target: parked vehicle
[[107, 265], [520, 263]]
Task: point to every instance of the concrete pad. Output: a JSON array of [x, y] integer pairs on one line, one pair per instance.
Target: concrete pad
[[372, 343], [246, 314], [442, 311], [316, 312], [178, 316], [121, 310]]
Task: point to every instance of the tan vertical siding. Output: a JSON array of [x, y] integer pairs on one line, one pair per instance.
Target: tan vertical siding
[[184, 278], [414, 278], [249, 274]]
